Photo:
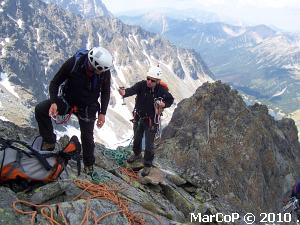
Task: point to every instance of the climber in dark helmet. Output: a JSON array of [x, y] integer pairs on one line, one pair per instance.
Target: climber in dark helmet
[[148, 93], [76, 88]]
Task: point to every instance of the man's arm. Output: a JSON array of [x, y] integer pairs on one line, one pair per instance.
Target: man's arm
[[105, 93], [168, 99], [135, 89], [59, 78]]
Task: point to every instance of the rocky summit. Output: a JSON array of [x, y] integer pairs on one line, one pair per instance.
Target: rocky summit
[[239, 152], [217, 155], [163, 197]]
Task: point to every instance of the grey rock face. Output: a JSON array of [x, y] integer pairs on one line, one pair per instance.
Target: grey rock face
[[85, 8], [241, 152]]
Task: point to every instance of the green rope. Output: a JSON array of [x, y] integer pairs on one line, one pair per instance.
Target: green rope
[[98, 178], [120, 155]]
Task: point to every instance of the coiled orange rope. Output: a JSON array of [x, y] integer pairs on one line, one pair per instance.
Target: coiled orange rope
[[43, 208], [98, 191], [129, 172]]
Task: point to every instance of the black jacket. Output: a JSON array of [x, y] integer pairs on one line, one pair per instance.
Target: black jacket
[[81, 90], [144, 104]]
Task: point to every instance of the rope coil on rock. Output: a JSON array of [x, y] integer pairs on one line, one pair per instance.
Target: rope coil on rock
[[96, 191], [118, 155]]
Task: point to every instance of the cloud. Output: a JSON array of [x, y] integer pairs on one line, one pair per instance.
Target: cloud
[[251, 3]]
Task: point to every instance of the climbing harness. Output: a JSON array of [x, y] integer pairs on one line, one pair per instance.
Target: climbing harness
[[157, 116], [61, 119]]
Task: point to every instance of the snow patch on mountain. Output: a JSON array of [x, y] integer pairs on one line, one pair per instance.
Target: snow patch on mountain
[[48, 65], [69, 131], [99, 39], [2, 45], [3, 118], [7, 84], [38, 38], [280, 92], [165, 25], [19, 22], [233, 33], [64, 33], [295, 70], [119, 68]]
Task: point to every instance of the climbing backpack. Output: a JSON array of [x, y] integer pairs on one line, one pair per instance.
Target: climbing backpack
[[81, 52], [20, 161], [164, 85]]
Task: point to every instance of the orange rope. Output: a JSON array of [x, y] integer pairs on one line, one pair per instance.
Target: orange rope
[[101, 191], [98, 191], [130, 173], [34, 213]]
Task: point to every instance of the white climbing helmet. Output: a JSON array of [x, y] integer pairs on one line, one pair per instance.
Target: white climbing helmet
[[154, 72], [100, 59]]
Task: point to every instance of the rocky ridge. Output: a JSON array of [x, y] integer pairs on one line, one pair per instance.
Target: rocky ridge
[[241, 151]]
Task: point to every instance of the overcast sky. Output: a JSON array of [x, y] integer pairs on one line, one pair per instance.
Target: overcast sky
[[284, 14]]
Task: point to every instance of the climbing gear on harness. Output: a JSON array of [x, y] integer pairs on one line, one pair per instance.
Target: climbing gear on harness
[[157, 116], [21, 161], [61, 119]]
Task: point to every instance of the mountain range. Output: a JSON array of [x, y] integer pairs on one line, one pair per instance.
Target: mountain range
[[36, 38], [257, 60]]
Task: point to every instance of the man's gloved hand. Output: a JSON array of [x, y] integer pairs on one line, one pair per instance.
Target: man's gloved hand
[[101, 120]]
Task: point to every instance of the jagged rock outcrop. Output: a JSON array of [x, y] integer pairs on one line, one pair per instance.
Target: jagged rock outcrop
[[217, 142], [86, 8]]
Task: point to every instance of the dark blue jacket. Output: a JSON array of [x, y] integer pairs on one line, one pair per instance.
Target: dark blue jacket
[[144, 104], [81, 90]]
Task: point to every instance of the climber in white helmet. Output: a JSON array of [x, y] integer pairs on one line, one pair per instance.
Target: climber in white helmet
[[148, 93], [76, 88]]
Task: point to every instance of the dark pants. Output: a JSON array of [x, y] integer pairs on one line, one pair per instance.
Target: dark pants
[[86, 126], [140, 127]]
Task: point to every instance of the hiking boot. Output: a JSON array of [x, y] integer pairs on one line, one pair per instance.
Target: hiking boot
[[48, 146], [88, 170], [134, 158], [146, 171]]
